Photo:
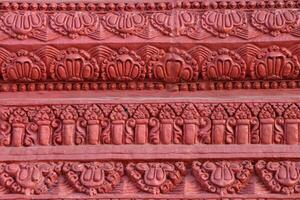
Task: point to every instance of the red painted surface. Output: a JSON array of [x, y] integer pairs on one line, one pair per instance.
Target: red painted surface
[[149, 100]]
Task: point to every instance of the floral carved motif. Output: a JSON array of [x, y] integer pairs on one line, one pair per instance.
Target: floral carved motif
[[224, 65], [23, 66], [156, 178], [93, 177], [225, 23], [24, 24], [172, 66], [280, 177], [275, 22], [126, 65], [75, 24], [222, 176], [29, 177], [274, 63], [74, 65], [125, 24], [176, 23]]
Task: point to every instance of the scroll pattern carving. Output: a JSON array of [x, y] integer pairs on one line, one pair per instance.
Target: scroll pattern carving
[[171, 123]]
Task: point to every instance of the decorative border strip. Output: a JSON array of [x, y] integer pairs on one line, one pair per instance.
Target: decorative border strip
[[149, 67], [197, 20], [220, 177], [150, 123]]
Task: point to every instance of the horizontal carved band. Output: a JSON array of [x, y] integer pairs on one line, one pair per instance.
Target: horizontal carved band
[[150, 123], [95, 178], [149, 67], [47, 22]]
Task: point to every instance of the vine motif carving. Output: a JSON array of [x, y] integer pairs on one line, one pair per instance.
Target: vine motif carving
[[29, 178], [222, 176], [24, 24], [93, 177], [280, 177], [225, 23], [156, 178], [75, 24]]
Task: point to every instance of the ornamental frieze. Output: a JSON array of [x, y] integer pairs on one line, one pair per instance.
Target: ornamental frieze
[[149, 67], [198, 21], [150, 123]]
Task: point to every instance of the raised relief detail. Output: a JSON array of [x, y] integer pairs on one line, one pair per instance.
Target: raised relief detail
[[29, 177], [275, 22], [177, 23], [155, 177], [125, 24], [274, 63], [23, 66], [280, 177], [222, 176], [175, 65], [225, 23], [75, 24], [24, 24], [224, 65], [74, 65], [93, 178], [125, 65]]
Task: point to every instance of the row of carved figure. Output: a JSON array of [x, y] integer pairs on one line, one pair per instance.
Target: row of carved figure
[[92, 178], [173, 123], [149, 63], [176, 22]]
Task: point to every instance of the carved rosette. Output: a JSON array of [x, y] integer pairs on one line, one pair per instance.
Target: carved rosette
[[222, 176], [280, 177], [223, 23], [74, 24], [224, 65], [74, 65], [175, 65], [24, 24], [29, 178], [23, 66], [176, 23], [93, 177], [275, 21], [156, 177], [274, 63], [126, 65], [125, 24]]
